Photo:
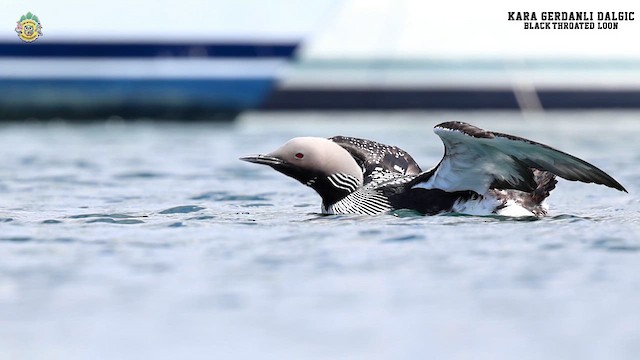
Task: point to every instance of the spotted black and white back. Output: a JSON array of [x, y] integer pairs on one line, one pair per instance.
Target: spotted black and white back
[[379, 162]]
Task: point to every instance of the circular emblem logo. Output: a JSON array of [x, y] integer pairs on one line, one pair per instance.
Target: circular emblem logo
[[29, 28]]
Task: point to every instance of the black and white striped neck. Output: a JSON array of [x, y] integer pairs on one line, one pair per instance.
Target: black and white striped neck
[[334, 187]]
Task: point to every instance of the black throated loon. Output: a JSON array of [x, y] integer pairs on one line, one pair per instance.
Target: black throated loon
[[481, 173]]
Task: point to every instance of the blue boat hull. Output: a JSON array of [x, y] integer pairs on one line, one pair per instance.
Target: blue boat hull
[[131, 98], [137, 80]]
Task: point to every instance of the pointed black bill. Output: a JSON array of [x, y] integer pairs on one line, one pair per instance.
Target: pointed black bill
[[262, 159]]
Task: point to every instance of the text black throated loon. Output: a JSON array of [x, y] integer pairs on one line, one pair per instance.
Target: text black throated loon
[[481, 173]]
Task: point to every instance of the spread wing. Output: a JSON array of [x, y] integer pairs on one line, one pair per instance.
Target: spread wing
[[379, 162], [480, 160]]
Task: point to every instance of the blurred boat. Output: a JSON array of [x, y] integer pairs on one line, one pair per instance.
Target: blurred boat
[[197, 59], [190, 59], [415, 54], [456, 84], [87, 80]]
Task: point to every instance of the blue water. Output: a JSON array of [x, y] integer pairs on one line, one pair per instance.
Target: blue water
[[151, 240]]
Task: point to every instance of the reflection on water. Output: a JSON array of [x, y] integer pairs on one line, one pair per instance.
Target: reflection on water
[[146, 240]]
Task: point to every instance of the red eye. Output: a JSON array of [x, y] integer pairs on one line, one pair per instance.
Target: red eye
[[299, 155]]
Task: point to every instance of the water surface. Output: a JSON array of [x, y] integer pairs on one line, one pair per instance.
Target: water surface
[[151, 240]]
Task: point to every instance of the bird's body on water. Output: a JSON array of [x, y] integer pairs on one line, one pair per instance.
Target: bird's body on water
[[481, 173]]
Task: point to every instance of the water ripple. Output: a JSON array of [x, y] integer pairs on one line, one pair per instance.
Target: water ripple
[[203, 217], [113, 221], [256, 205], [406, 213], [570, 218], [225, 196], [404, 238], [16, 239], [115, 216], [182, 209], [615, 245], [140, 175], [51, 221]]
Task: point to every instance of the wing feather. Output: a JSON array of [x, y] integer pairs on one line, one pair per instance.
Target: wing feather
[[480, 160]]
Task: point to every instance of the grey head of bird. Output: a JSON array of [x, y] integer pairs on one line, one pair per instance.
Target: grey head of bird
[[316, 162]]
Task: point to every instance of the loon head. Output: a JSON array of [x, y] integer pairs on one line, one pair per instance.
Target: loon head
[[317, 162]]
